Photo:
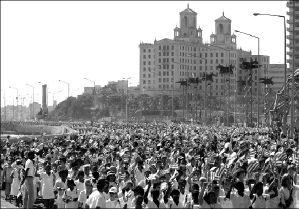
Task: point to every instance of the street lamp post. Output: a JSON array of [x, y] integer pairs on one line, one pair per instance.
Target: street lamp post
[[205, 89], [17, 101], [127, 79], [258, 89], [94, 85], [227, 104], [68, 87], [285, 41], [32, 99]]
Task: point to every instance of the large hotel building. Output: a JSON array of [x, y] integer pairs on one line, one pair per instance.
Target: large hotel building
[[293, 29], [167, 61]]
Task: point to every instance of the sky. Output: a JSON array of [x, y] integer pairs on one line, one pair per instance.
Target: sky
[[48, 41]]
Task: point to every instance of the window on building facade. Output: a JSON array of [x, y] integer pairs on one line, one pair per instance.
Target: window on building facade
[[172, 66], [172, 53], [144, 69], [149, 81], [149, 69], [216, 61], [159, 86], [149, 56], [221, 54], [211, 68], [144, 75], [222, 61], [211, 61], [144, 50], [206, 54], [159, 53], [144, 63], [172, 47], [164, 73], [216, 54], [149, 62], [144, 82], [149, 75], [172, 73], [144, 57], [159, 73], [149, 50], [160, 80], [159, 47]]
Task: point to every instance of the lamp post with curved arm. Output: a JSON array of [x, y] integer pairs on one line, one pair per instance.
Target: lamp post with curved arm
[[32, 99], [205, 89], [17, 98], [94, 85], [68, 87], [227, 102], [258, 89], [127, 79]]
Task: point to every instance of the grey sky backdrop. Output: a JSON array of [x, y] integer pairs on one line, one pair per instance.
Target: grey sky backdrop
[[47, 41]]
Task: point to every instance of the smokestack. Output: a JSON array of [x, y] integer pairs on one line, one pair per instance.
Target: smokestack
[[44, 101]]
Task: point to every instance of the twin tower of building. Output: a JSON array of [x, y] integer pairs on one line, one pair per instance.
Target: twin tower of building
[[188, 30], [167, 61]]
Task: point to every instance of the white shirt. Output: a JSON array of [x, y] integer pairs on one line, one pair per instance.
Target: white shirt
[[113, 204], [96, 199], [29, 164], [71, 195], [47, 184], [82, 198], [80, 186], [240, 202]]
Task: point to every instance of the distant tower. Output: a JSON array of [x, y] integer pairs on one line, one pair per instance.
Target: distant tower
[[44, 101], [223, 34], [188, 26]]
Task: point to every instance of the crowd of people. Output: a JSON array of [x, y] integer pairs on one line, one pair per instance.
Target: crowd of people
[[150, 165]]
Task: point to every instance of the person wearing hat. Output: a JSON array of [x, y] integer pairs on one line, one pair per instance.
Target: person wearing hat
[[71, 195], [113, 201]]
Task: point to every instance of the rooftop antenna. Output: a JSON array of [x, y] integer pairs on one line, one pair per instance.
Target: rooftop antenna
[[188, 5]]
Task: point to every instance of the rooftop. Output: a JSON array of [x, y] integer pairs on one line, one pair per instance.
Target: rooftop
[[223, 18], [188, 10]]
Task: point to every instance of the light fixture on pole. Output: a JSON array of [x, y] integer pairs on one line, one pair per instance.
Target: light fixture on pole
[[127, 79], [227, 104], [17, 98], [94, 85], [258, 86], [68, 87], [205, 89], [285, 43], [32, 99]]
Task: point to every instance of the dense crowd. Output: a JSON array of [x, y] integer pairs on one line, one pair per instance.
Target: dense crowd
[[150, 165]]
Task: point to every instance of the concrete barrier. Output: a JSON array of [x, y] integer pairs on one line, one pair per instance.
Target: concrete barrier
[[32, 129]]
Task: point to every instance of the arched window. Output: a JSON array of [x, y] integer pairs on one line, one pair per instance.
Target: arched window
[[220, 28], [185, 21]]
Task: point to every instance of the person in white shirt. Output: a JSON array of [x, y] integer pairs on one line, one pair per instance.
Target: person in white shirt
[[47, 186], [84, 195], [113, 201], [80, 181], [238, 198], [97, 198], [70, 196], [28, 179]]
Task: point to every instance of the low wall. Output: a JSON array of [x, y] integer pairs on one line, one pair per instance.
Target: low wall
[[31, 129]]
